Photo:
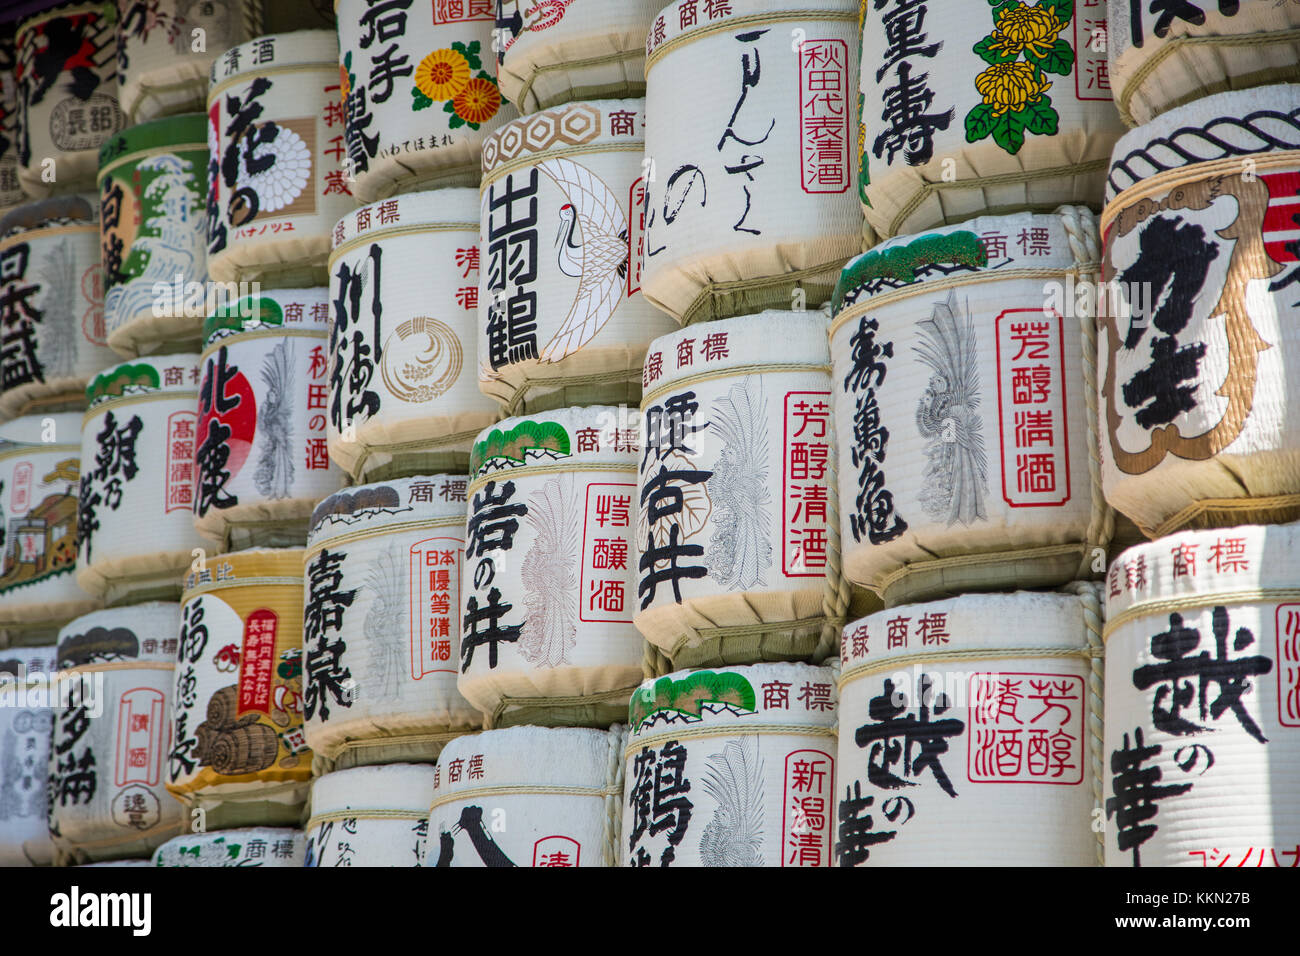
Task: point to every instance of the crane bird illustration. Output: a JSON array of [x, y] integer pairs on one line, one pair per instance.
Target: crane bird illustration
[[593, 248]]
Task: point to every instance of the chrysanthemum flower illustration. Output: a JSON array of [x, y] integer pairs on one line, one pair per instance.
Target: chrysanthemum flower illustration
[[1010, 87], [478, 102], [1021, 28], [442, 75]]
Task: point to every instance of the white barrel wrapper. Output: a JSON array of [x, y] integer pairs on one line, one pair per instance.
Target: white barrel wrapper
[[135, 513], [419, 93], [404, 285], [547, 634], [1203, 700], [153, 228], [252, 846], [562, 320], [734, 487], [969, 733], [262, 461], [370, 816], [38, 507], [398, 549], [240, 756], [528, 796], [750, 201], [165, 50], [67, 95], [1165, 56], [731, 767], [962, 404], [277, 181], [967, 110], [26, 718], [1196, 347], [576, 50], [52, 320], [48, 427], [111, 739], [11, 193]]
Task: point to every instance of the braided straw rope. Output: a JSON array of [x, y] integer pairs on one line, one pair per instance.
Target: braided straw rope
[[615, 767], [1089, 594]]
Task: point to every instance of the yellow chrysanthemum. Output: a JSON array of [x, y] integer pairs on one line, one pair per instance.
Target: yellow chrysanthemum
[[442, 74], [1010, 87], [1025, 28], [478, 102]]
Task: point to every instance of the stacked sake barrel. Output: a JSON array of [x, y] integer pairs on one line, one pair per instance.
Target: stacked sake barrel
[[385, 582], [371, 816], [1203, 700], [11, 193], [249, 846], [111, 741], [27, 707]]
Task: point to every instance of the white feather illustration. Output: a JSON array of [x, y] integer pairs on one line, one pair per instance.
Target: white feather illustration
[[58, 334], [734, 779], [550, 574], [741, 549], [274, 473], [386, 626]]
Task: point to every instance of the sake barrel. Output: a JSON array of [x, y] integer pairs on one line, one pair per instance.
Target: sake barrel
[[249, 846], [737, 218], [165, 49], [262, 463], [384, 584], [240, 757], [44, 427], [276, 177], [135, 511], [370, 816], [26, 716], [582, 50], [404, 283], [1163, 57], [153, 231], [11, 194], [67, 95], [565, 324], [419, 94], [52, 339], [1024, 120], [1197, 426], [1203, 700], [731, 767], [38, 507], [734, 493], [111, 740], [528, 796], [963, 408], [969, 732], [547, 635]]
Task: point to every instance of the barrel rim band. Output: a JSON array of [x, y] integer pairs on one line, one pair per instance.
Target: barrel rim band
[[1184, 517], [1168, 180], [1152, 607], [735, 23], [715, 290], [699, 635], [514, 406], [530, 471], [635, 744], [858, 671], [525, 160], [522, 789], [36, 447], [373, 814], [753, 368], [46, 232], [105, 8], [216, 89], [380, 743], [630, 55], [270, 581], [573, 700], [70, 847], [1170, 47], [979, 559], [69, 673], [140, 154], [396, 232], [361, 534], [416, 445], [179, 394], [985, 182], [275, 332], [862, 306]]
